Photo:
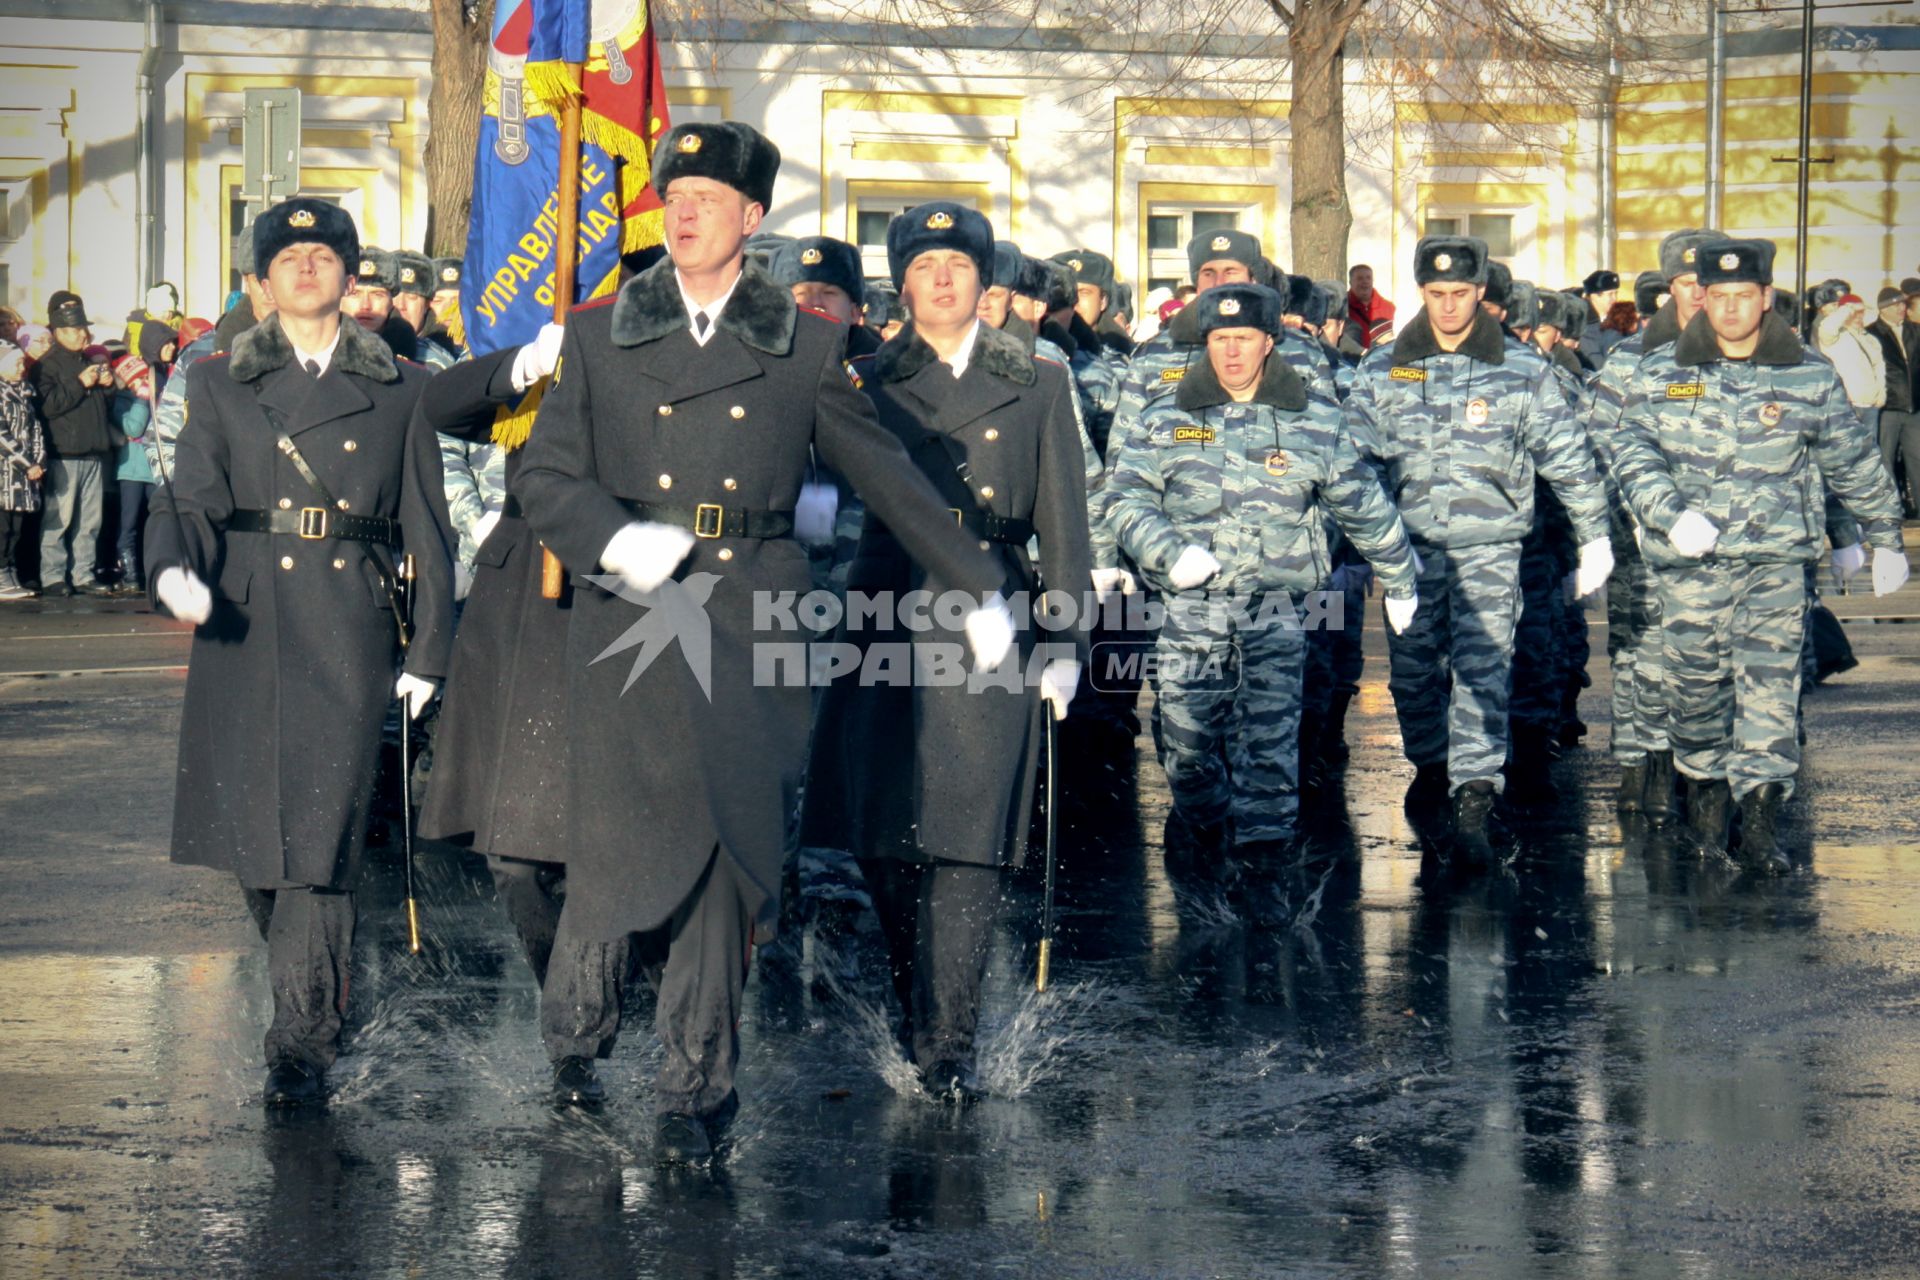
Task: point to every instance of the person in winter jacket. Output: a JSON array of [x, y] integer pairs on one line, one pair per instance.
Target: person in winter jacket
[[23, 463], [132, 414], [75, 392], [1841, 336]]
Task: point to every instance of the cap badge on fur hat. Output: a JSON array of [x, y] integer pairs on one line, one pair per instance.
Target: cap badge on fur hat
[[809, 257], [689, 143], [1687, 256], [939, 220], [1443, 262], [406, 275], [1075, 264], [1222, 243], [450, 274], [368, 267], [1229, 306], [1729, 261], [302, 218]]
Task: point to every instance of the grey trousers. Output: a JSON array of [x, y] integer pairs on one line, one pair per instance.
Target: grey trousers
[[72, 516], [309, 935], [938, 920], [532, 894], [696, 962], [1900, 435]]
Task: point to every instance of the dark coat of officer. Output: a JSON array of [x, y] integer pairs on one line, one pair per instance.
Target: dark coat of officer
[[936, 771], [500, 758], [293, 673], [662, 770]]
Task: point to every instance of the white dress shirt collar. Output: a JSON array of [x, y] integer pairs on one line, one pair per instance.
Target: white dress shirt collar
[[321, 358], [964, 356], [713, 309]]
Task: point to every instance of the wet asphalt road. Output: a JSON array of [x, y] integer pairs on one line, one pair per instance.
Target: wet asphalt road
[[1613, 1062]]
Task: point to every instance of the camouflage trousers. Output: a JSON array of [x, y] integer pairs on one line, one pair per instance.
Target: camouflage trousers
[[1335, 660], [1539, 651], [1450, 672], [1636, 650], [1733, 632], [1229, 712]]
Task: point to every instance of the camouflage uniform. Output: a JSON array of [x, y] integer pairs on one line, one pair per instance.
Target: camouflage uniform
[[1746, 444], [1458, 439], [1635, 648], [1162, 361], [1253, 484], [476, 483]]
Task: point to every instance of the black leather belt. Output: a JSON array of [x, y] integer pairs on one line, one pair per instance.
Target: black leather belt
[[713, 520], [316, 524], [984, 524]]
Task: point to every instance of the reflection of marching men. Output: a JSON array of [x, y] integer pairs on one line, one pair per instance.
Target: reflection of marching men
[[930, 782], [1458, 418], [1722, 446], [668, 457], [291, 486], [1221, 495]]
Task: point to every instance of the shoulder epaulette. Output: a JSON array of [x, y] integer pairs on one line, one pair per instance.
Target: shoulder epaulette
[[598, 302], [815, 311]]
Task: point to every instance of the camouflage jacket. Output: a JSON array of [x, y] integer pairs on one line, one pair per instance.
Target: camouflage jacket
[[1600, 409], [475, 477], [1253, 484], [1458, 437], [1748, 444]]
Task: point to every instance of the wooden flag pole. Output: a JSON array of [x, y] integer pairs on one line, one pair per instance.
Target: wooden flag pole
[[553, 575]]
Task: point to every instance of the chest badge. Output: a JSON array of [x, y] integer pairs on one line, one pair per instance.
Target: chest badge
[[1770, 414], [1477, 412], [1193, 435], [1278, 463]]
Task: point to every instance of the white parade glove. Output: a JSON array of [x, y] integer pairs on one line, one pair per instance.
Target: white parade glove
[[1693, 535], [1848, 561], [184, 595], [538, 358], [1058, 679], [414, 694], [1596, 566], [1193, 567], [1889, 571], [645, 553], [484, 526], [814, 513], [1108, 583], [990, 634], [1400, 612]]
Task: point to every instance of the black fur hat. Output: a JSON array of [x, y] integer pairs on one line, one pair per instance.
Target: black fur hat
[[821, 260], [1499, 283], [374, 267], [1736, 262], [1555, 310], [1008, 262], [1579, 312], [448, 272], [1449, 259], [1091, 268], [1523, 305], [413, 273], [726, 151], [1649, 291], [1238, 306], [1679, 251], [1222, 246], [305, 221], [939, 224], [1305, 300], [1047, 281], [1602, 281]]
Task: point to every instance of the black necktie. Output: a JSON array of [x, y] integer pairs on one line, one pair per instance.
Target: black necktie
[[313, 368], [700, 323]]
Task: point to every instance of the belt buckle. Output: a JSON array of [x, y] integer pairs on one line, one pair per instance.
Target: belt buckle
[[708, 520], [313, 523], [959, 516]]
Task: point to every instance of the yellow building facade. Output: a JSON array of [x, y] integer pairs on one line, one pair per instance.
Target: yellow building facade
[[1056, 151]]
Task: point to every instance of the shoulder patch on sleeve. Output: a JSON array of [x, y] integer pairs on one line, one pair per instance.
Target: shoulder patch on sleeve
[[1407, 373]]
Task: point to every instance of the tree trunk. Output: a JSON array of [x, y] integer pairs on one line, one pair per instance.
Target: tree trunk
[[453, 118], [1317, 120]]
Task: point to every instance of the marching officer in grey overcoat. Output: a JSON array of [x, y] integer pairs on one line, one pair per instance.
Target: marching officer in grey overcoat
[[297, 480], [663, 471], [931, 785]]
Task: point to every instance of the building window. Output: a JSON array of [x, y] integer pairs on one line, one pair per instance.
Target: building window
[[1495, 228], [871, 216], [1170, 227], [14, 203]]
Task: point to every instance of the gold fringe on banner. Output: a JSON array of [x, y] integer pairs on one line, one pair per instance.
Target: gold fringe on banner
[[551, 84], [513, 424]]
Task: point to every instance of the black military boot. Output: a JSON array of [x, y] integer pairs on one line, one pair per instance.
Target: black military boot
[[293, 1083], [1759, 830], [1658, 800], [1530, 771], [1196, 852], [1708, 805], [1473, 824], [1269, 869], [679, 1138], [951, 1081], [575, 1084], [1633, 787], [1333, 734], [1427, 796]]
